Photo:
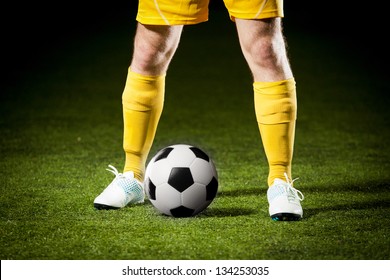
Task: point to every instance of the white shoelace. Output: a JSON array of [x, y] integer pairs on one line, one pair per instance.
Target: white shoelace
[[117, 174], [129, 175], [298, 194], [114, 171]]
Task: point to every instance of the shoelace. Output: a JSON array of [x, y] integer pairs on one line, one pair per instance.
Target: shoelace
[[298, 194], [117, 174], [114, 171]]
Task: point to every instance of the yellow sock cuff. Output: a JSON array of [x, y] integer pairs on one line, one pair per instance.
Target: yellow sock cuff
[[143, 92], [275, 102]]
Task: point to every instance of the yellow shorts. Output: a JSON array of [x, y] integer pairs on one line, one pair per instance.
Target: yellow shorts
[[178, 12]]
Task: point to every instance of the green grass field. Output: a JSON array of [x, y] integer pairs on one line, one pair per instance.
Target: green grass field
[[61, 125]]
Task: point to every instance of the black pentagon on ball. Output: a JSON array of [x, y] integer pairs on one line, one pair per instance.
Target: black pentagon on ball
[[212, 189], [182, 211], [163, 154], [199, 153], [180, 178], [152, 189]]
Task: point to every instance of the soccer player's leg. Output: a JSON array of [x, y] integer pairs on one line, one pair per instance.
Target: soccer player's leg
[[159, 28], [263, 46], [143, 96], [142, 100], [275, 106]]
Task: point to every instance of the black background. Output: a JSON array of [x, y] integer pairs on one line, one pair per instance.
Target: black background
[[29, 29]]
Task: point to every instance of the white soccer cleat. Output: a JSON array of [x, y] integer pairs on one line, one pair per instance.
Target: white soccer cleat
[[284, 201], [123, 190]]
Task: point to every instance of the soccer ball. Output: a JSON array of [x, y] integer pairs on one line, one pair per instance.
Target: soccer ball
[[181, 181]]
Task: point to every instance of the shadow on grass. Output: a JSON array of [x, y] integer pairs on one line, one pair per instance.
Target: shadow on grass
[[370, 205], [217, 212], [224, 212], [363, 187], [242, 192], [381, 188], [367, 187]]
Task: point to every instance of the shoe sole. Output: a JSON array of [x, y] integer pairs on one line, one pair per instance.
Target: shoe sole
[[99, 206], [286, 217]]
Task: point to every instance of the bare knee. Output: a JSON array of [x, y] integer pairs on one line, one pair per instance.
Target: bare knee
[[264, 52], [154, 47], [263, 46]]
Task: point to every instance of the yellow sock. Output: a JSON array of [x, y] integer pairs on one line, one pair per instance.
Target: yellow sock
[[276, 111], [142, 100]]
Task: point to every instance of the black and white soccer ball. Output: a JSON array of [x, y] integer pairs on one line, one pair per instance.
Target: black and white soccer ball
[[181, 180]]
